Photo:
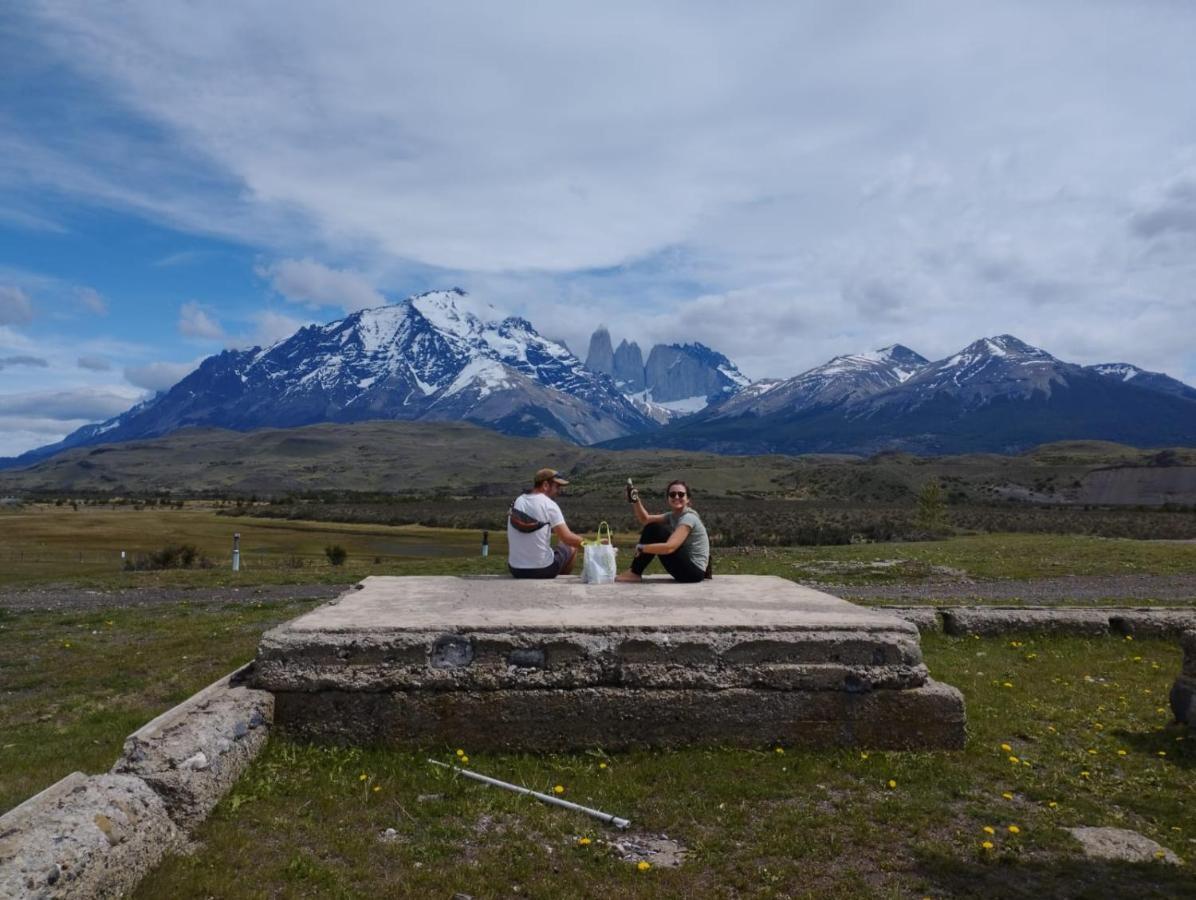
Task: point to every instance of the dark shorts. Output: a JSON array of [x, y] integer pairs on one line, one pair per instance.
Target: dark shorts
[[561, 554]]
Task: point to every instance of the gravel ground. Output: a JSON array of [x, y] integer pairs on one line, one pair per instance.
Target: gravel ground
[[1073, 590], [67, 599]]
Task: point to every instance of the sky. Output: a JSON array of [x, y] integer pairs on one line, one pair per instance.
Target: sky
[[783, 182]]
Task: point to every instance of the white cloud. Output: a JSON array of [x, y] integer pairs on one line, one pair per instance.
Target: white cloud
[[93, 301], [158, 376], [89, 404], [15, 308], [29, 361], [314, 285], [783, 186], [94, 363], [197, 322], [271, 326]]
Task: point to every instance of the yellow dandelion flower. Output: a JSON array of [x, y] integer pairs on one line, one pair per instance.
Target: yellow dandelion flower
[[1137, 659], [643, 865], [1092, 751], [1007, 684], [1159, 709], [987, 845], [863, 756], [1121, 752], [1084, 774], [377, 788], [1006, 748], [1013, 829], [1098, 726], [1159, 854], [1014, 760], [1007, 795], [464, 759], [1031, 656], [892, 783], [1129, 637], [1162, 753], [362, 776], [1052, 804], [558, 789], [460, 752], [780, 750], [584, 842], [602, 765], [988, 829]]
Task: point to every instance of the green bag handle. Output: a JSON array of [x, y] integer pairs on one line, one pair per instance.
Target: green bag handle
[[598, 540]]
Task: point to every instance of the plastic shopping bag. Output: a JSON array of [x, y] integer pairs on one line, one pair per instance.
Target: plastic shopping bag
[[598, 559]]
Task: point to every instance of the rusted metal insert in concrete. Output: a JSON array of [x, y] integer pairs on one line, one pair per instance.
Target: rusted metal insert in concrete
[[515, 647]]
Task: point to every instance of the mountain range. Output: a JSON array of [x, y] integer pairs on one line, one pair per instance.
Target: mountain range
[[445, 356]]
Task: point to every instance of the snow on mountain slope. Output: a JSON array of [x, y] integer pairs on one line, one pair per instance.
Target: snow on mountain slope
[[440, 355]]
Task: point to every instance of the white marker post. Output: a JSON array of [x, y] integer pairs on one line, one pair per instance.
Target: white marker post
[[485, 544], [237, 551]]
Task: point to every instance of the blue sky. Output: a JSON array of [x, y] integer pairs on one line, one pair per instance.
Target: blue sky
[[784, 185]]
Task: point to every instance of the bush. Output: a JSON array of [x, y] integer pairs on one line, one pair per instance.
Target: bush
[[336, 554], [172, 556]]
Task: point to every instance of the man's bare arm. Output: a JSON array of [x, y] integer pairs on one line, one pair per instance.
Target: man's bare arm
[[565, 536]]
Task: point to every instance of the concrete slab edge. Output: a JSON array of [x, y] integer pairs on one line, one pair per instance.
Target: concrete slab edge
[[98, 836], [996, 620]]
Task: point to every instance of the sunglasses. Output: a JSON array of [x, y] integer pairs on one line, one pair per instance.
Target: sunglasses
[[675, 494]]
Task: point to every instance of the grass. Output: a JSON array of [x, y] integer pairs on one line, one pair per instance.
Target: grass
[[52, 544], [308, 820], [74, 685]]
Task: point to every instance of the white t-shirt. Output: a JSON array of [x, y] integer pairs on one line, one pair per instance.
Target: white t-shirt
[[533, 551]]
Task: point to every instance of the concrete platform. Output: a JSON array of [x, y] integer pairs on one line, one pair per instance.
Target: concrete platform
[[552, 665]]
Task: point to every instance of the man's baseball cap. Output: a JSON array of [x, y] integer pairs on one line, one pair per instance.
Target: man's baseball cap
[[548, 475]]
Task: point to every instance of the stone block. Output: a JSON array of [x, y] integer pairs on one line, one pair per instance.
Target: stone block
[[555, 664], [1165, 623], [990, 621], [928, 717], [84, 838], [192, 754], [924, 618]]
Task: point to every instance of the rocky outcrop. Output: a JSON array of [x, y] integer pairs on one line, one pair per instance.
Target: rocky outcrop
[[601, 358], [629, 367]]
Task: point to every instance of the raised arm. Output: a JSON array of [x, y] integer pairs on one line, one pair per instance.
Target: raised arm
[[642, 515]]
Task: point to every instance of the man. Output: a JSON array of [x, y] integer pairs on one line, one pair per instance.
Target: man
[[533, 519]]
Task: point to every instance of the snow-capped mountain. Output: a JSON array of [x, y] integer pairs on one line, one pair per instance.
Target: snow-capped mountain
[[435, 356], [1154, 381], [840, 380], [998, 394], [677, 379]]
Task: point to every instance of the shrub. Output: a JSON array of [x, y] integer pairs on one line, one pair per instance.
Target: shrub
[[172, 556], [336, 554]]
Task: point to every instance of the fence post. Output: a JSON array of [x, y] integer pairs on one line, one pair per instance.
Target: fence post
[[236, 551], [485, 544]]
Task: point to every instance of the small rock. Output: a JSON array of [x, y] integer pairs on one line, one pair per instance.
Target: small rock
[[388, 835], [1121, 844], [429, 798]]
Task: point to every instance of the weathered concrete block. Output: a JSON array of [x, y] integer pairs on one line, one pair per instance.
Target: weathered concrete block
[[552, 665], [192, 754], [1183, 692], [996, 621], [1152, 622], [924, 618], [927, 717], [84, 838]]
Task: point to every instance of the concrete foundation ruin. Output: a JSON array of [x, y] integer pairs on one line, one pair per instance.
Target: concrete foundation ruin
[[498, 664]]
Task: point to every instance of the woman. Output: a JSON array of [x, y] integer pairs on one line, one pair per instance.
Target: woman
[[678, 537]]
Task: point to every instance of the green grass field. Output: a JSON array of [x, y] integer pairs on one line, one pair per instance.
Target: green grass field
[[55, 544], [306, 820], [1088, 744]]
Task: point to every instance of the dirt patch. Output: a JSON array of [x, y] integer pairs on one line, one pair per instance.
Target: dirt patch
[[70, 599]]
